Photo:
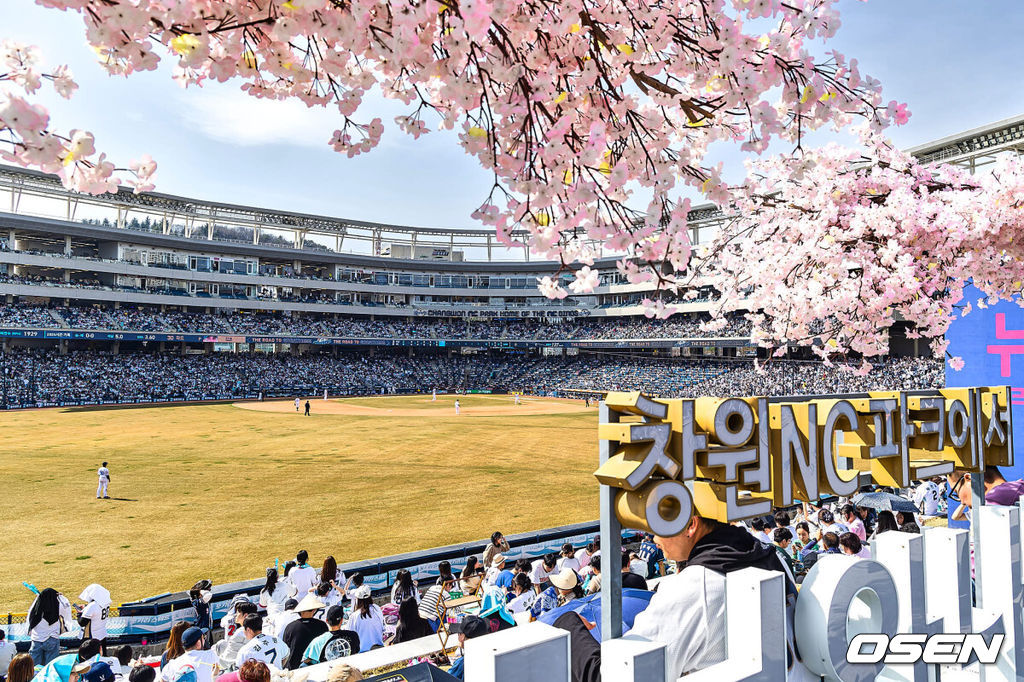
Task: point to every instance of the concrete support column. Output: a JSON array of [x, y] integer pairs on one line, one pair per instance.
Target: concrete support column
[[67, 245]]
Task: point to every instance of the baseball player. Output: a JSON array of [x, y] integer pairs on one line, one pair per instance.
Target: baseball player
[[298, 403], [101, 489], [456, 407]]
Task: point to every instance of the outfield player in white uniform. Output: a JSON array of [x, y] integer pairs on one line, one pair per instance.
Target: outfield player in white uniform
[[518, 400], [297, 404], [261, 646], [456, 407], [101, 489], [434, 399]]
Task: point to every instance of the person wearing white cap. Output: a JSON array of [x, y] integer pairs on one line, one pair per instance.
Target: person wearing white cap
[[300, 633], [366, 619], [95, 613]]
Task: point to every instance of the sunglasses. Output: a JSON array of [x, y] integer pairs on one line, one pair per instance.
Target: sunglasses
[[954, 492]]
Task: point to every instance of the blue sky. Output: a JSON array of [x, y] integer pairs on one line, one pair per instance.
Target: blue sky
[[956, 63]]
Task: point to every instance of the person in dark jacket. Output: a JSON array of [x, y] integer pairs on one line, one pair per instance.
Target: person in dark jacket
[[300, 633]]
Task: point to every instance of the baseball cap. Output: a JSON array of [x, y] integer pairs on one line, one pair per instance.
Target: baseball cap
[[336, 613], [361, 592], [192, 635], [98, 672], [471, 626]]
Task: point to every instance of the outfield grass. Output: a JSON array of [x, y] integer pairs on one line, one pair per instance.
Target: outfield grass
[[218, 492]]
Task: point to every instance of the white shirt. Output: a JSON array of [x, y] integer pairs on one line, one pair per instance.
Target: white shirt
[[203, 662], [7, 652], [98, 615], [523, 602], [45, 630], [104, 473], [538, 574], [566, 562], [638, 566], [370, 628], [687, 614], [282, 621], [274, 601], [303, 578], [926, 498], [264, 648]]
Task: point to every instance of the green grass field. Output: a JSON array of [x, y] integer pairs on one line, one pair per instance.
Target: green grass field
[[216, 491]]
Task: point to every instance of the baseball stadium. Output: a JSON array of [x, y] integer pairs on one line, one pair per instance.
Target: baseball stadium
[[257, 382]]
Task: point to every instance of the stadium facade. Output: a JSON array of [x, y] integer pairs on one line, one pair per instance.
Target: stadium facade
[[125, 273]]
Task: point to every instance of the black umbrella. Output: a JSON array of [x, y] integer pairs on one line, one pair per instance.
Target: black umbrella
[[421, 672], [884, 502]]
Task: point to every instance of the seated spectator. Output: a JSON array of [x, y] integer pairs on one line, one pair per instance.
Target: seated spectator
[[470, 627], [410, 624], [60, 668], [629, 579], [202, 662], [593, 584], [228, 648], [853, 522], [335, 643], [405, 587], [567, 583], [759, 529], [637, 565], [830, 541], [431, 598], [20, 669], [260, 646], [285, 618], [850, 545], [251, 671], [907, 523], [7, 653], [568, 559], [806, 545], [783, 540], [275, 593], [326, 593], [143, 673], [523, 594], [366, 620], [174, 648], [687, 613], [330, 573], [301, 632], [541, 571], [886, 522]]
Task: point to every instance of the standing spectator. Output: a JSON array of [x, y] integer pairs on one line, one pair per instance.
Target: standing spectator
[[499, 545], [853, 522], [301, 632], [7, 653], [405, 587], [200, 596], [95, 613], [260, 646], [49, 615], [470, 627], [202, 662], [303, 575], [174, 647], [410, 624], [275, 593], [20, 669], [366, 620], [335, 643]]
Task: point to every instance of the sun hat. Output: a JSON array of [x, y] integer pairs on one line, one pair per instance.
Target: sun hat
[[498, 559], [309, 603], [343, 672], [361, 592], [566, 580]]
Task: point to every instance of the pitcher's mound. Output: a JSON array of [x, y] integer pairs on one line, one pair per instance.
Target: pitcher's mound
[[424, 406]]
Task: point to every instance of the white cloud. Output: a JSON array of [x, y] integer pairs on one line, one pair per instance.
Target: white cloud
[[228, 115]]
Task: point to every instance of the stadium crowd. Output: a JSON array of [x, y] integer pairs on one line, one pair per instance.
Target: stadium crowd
[[304, 615], [32, 377], [144, 319]]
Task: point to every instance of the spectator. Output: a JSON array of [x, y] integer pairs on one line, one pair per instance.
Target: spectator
[[275, 593], [304, 630], [631, 580], [366, 620], [228, 648], [20, 669], [49, 615], [174, 647], [354, 582], [805, 545], [7, 653], [121, 664], [593, 585], [498, 545], [431, 598], [886, 522], [567, 583], [204, 663], [230, 622], [652, 555], [405, 587], [781, 519], [687, 613], [95, 613], [335, 643], [286, 618], [303, 575], [200, 596], [828, 523], [637, 565], [260, 646], [853, 522], [568, 559], [927, 496], [907, 523], [410, 624], [851, 545], [523, 594], [251, 671], [759, 529], [831, 543], [327, 594], [470, 627], [783, 540], [142, 673], [330, 573], [541, 570]]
